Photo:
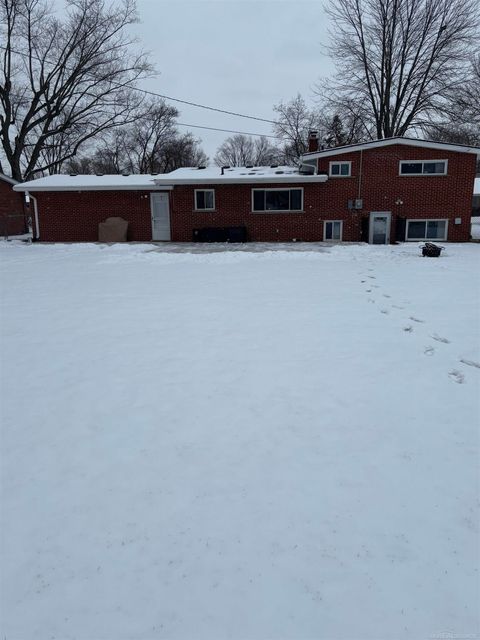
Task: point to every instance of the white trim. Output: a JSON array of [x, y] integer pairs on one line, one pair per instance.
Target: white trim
[[426, 220], [31, 186], [209, 209], [386, 142], [301, 210], [380, 214], [325, 222], [422, 162], [7, 179], [340, 175], [36, 231]]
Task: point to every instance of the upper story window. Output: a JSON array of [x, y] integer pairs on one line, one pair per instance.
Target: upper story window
[[204, 200], [423, 167], [340, 169], [272, 200]]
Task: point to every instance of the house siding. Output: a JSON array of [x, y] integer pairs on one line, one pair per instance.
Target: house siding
[[12, 210], [74, 216]]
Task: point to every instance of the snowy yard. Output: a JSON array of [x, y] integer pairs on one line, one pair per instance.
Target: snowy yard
[[270, 445]]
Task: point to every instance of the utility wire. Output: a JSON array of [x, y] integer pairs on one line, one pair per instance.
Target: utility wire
[[165, 97]]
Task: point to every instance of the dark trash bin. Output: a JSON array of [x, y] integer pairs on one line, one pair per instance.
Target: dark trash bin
[[430, 250]]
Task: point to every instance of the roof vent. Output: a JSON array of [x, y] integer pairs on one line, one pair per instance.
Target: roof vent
[[202, 167], [99, 174], [223, 169], [278, 172], [249, 166], [73, 174], [125, 174], [273, 166]]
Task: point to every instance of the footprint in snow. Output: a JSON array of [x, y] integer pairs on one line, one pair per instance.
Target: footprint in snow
[[429, 351], [397, 306], [416, 319], [456, 376], [385, 295], [372, 277], [371, 300], [470, 363], [440, 339], [385, 311], [408, 329], [368, 291]]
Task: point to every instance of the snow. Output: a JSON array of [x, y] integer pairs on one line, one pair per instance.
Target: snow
[[476, 187], [239, 444], [186, 175]]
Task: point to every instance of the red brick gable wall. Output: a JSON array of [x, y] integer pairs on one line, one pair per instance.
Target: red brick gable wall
[[381, 186], [12, 210]]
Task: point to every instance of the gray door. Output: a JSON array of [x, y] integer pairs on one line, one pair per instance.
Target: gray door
[[160, 216], [379, 227]]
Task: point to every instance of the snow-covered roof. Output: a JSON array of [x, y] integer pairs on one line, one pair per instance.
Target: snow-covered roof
[[115, 182], [230, 175], [476, 187], [7, 179], [187, 175], [386, 142]]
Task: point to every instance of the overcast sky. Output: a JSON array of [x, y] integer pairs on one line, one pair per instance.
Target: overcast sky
[[240, 55]]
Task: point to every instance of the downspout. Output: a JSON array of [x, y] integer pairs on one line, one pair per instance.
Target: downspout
[[360, 176], [36, 231]]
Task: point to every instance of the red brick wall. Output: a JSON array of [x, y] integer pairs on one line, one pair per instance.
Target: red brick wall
[[74, 216], [12, 210], [381, 186]]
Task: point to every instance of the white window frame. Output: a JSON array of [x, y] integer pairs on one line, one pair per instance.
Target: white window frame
[[422, 162], [330, 165], [278, 210], [426, 220], [203, 191], [325, 222]]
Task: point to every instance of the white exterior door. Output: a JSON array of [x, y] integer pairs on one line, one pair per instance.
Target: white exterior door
[[379, 232], [159, 204]]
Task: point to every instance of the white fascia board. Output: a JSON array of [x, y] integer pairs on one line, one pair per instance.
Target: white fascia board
[[263, 180], [80, 189], [409, 142]]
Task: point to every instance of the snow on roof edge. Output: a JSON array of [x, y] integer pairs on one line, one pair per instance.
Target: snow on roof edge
[[385, 142]]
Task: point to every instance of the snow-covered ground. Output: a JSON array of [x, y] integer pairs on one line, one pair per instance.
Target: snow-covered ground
[[239, 445]]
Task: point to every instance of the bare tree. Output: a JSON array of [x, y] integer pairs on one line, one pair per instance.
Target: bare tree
[[241, 150], [124, 150], [399, 59], [63, 82], [293, 122]]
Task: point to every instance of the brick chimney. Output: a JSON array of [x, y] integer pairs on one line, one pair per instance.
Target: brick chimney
[[312, 141]]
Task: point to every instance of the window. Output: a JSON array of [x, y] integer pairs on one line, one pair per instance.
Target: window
[[332, 230], [340, 169], [204, 199], [423, 167], [427, 229], [277, 200]]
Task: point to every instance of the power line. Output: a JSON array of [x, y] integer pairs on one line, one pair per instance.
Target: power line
[[244, 133], [165, 97]]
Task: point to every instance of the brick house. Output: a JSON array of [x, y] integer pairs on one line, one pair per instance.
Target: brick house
[[382, 191], [13, 209]]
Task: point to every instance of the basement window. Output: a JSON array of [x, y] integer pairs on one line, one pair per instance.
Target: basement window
[[204, 200], [423, 167], [427, 229], [332, 230], [273, 200], [340, 169]]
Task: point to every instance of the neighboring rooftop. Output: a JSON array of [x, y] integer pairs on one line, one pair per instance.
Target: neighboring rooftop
[[7, 179], [411, 142], [187, 175]]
